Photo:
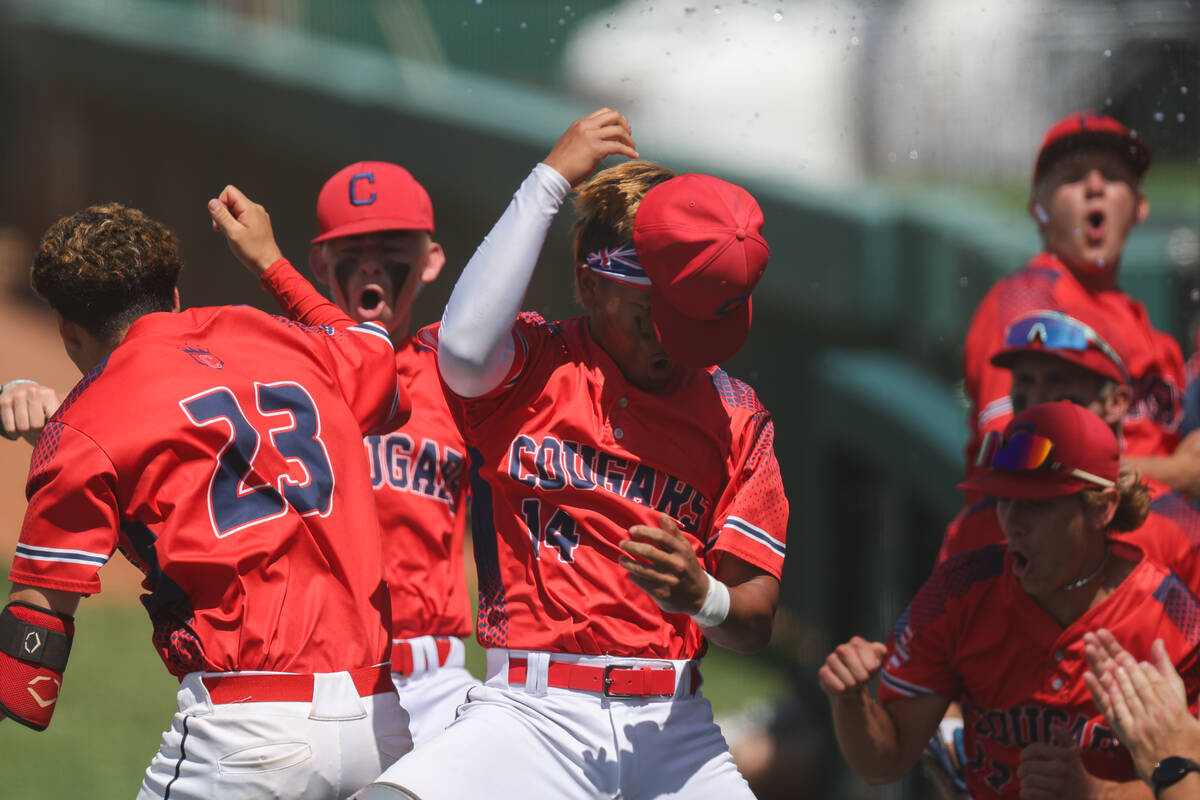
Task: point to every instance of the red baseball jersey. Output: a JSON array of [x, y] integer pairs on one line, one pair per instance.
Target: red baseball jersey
[[219, 450], [567, 455], [418, 473], [1153, 359], [974, 635], [1170, 536]]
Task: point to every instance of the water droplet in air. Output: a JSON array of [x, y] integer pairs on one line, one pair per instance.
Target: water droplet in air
[[1183, 90], [716, 9], [478, 2], [1108, 53], [855, 41], [963, 281], [1180, 117], [1100, 263], [524, 25], [562, 21], [912, 154], [1158, 116], [497, 29], [778, 16], [1195, 295], [1108, 101], [553, 40]]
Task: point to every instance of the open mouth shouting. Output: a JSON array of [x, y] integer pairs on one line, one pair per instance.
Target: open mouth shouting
[[370, 303], [1020, 563], [1093, 229]]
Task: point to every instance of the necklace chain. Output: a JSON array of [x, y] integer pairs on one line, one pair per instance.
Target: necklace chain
[[1089, 578]]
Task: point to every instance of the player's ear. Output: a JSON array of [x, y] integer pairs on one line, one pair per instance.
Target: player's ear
[[586, 286], [1143, 208], [435, 259], [1038, 212], [317, 263], [69, 332], [1099, 515], [1117, 404]]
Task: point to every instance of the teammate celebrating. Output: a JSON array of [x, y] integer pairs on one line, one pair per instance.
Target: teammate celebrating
[[211, 447], [1003, 627], [627, 502], [1054, 355], [1086, 200], [375, 249]]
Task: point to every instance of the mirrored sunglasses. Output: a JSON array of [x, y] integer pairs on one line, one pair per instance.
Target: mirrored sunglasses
[[1024, 451], [1058, 331]]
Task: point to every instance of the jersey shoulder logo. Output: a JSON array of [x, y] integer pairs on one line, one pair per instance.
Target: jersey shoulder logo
[[203, 356]]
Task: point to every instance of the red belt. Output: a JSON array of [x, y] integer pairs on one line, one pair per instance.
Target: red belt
[[613, 680], [402, 655], [288, 688]]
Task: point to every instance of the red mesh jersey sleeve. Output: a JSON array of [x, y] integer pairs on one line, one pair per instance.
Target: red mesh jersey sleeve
[[299, 299], [921, 648], [363, 362], [752, 513], [531, 335], [72, 522], [1170, 536]]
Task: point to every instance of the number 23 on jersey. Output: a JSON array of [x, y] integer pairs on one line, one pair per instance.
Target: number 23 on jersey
[[257, 477]]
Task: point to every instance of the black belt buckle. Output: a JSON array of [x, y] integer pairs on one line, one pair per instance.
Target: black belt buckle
[[608, 681]]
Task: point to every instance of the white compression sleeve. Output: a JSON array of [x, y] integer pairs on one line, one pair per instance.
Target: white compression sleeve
[[475, 345]]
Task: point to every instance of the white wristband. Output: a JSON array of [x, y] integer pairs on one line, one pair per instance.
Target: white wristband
[[716, 605], [14, 383], [947, 727]]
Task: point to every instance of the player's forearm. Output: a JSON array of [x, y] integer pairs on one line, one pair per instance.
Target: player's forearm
[[475, 340], [1180, 471], [55, 600], [747, 628], [869, 738], [1188, 788], [299, 299], [1127, 790]]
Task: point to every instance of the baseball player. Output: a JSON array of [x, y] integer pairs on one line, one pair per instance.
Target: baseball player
[[1056, 355], [627, 503], [217, 448], [1086, 199], [1002, 628], [375, 249]]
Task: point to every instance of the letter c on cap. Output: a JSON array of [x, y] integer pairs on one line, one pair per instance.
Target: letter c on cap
[[369, 177]]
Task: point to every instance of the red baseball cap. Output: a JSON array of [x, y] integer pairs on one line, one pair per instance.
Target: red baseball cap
[[369, 197], [1089, 128], [700, 241], [1075, 334], [1048, 450]]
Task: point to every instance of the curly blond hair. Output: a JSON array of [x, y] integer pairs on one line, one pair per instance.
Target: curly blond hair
[[105, 266]]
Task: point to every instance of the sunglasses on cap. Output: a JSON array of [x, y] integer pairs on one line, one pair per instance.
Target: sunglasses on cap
[[1024, 451], [1057, 331]]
